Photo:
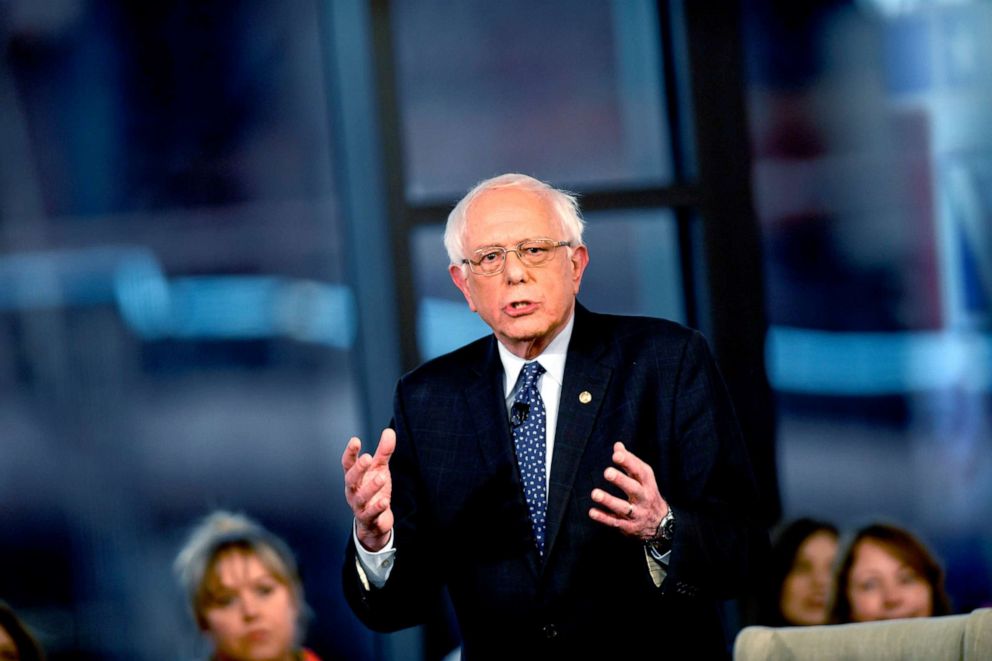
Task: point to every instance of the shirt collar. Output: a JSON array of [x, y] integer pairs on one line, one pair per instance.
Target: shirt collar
[[552, 359]]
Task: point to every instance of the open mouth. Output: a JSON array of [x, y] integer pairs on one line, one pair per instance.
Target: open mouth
[[517, 308]]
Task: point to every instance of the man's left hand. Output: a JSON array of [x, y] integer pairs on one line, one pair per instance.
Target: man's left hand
[[639, 514]]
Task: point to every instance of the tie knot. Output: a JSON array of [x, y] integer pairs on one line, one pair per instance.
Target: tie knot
[[530, 373]]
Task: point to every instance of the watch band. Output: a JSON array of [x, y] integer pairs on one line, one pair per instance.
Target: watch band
[[661, 542], [666, 529]]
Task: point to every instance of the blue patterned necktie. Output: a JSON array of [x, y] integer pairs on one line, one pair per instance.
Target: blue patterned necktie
[[527, 419]]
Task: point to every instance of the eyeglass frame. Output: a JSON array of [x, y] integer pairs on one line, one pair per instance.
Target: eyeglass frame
[[555, 245]]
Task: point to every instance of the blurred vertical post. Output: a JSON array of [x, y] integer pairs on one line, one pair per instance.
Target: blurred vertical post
[[371, 266]]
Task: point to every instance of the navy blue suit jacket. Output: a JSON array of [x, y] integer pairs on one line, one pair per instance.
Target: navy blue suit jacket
[[461, 518]]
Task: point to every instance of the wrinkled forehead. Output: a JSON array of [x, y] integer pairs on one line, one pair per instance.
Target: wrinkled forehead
[[509, 215]]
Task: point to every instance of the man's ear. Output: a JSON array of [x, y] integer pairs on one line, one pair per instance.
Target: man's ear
[[459, 276], [579, 259]]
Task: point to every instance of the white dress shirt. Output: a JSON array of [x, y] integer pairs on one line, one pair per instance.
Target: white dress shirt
[[552, 359], [375, 567]]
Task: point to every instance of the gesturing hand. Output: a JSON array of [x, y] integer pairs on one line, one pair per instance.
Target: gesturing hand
[[368, 487], [640, 513]]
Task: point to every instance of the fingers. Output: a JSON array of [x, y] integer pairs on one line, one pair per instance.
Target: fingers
[[386, 447], [363, 483], [631, 463], [373, 483], [372, 500], [627, 484], [375, 524], [633, 520], [383, 523], [640, 508], [368, 488], [350, 454], [634, 477], [355, 465], [355, 469], [367, 480], [617, 508]]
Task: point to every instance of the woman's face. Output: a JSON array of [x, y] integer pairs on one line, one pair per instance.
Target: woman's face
[[807, 585], [883, 587], [8, 650], [250, 615]]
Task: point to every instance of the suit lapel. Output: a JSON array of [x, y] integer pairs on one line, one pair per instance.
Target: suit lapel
[[487, 407], [583, 390]]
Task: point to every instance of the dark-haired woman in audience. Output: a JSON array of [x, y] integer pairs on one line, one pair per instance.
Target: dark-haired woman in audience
[[887, 573], [244, 590], [800, 574]]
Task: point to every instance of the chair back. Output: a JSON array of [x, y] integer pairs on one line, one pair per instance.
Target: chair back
[[948, 638]]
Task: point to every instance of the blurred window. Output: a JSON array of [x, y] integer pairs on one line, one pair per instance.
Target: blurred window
[[569, 92], [872, 171], [176, 330]]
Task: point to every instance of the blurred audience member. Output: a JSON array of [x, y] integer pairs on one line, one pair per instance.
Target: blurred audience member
[[16, 641], [888, 573], [800, 572], [244, 590]]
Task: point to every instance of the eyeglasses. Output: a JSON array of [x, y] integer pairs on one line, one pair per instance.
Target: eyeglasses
[[532, 252]]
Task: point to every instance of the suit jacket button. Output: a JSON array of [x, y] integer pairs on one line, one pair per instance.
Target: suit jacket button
[[550, 631]]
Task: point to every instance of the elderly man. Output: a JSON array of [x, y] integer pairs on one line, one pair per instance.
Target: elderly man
[[577, 481]]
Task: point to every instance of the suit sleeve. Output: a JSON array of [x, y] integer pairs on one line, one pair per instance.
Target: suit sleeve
[[712, 487], [415, 578]]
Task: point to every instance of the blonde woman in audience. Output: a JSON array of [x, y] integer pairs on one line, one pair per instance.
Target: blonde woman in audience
[[887, 573], [244, 590]]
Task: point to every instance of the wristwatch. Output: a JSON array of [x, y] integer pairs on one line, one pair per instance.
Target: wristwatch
[[661, 543]]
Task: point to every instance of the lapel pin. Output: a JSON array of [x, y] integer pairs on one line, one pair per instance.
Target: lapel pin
[[585, 397]]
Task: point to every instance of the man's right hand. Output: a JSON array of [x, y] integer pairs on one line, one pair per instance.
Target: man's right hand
[[368, 487]]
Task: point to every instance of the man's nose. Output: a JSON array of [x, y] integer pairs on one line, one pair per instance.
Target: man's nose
[[514, 269]]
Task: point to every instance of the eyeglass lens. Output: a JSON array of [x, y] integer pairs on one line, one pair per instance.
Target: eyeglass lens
[[532, 253]]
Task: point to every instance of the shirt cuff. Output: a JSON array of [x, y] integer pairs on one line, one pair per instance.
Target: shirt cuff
[[657, 565], [373, 566]]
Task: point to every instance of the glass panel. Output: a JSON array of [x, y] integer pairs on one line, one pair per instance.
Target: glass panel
[[568, 92], [444, 321], [175, 329], [634, 268], [634, 264], [872, 176]]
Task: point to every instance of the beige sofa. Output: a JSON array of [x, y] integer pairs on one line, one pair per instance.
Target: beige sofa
[[950, 637]]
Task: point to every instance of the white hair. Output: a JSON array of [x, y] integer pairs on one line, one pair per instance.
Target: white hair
[[563, 204]]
